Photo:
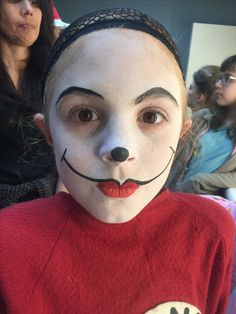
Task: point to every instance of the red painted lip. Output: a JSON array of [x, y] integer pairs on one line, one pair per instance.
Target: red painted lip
[[112, 189]]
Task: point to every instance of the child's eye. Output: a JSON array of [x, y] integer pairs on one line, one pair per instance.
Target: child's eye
[[152, 117], [83, 115]]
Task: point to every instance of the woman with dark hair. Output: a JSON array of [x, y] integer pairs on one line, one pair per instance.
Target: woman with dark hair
[[206, 161], [26, 161], [201, 92]]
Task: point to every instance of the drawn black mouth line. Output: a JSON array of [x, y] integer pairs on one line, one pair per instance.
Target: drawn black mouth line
[[114, 180]]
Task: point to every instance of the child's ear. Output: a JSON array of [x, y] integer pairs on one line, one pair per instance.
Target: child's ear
[[186, 126], [201, 98], [39, 120]]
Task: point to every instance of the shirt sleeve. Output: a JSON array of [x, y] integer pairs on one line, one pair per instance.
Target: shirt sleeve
[[208, 183], [221, 277]]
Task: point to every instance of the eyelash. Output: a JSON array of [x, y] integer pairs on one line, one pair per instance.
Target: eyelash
[[93, 115], [77, 110], [155, 110]]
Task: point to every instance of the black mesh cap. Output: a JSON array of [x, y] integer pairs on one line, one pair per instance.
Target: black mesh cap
[[110, 18]]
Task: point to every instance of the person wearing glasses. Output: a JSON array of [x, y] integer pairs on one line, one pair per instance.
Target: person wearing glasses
[[205, 162]]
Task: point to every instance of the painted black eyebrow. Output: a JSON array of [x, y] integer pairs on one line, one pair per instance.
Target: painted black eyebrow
[[83, 90], [155, 91]]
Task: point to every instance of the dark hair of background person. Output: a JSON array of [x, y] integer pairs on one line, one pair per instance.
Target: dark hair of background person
[[204, 80], [225, 112], [229, 64], [27, 97]]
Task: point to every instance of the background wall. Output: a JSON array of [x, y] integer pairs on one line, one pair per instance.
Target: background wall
[[212, 50], [177, 16]]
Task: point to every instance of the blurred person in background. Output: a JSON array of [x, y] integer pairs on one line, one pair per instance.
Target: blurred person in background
[[26, 160], [205, 162], [201, 92]]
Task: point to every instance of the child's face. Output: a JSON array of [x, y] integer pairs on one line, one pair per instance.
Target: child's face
[[115, 88], [194, 96]]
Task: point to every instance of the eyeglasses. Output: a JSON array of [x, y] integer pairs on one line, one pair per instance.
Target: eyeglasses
[[225, 78]]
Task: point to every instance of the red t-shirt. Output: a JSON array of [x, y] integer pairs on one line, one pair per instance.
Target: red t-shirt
[[57, 258]]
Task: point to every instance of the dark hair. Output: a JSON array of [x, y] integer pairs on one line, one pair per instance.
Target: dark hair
[[205, 79], [223, 113], [27, 99], [229, 64]]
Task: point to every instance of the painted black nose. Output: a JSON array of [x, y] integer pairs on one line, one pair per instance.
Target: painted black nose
[[119, 154]]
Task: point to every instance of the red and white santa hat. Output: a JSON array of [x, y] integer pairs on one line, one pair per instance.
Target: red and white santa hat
[[57, 19]]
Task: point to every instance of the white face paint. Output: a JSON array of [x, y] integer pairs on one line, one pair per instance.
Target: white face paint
[[115, 88]]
